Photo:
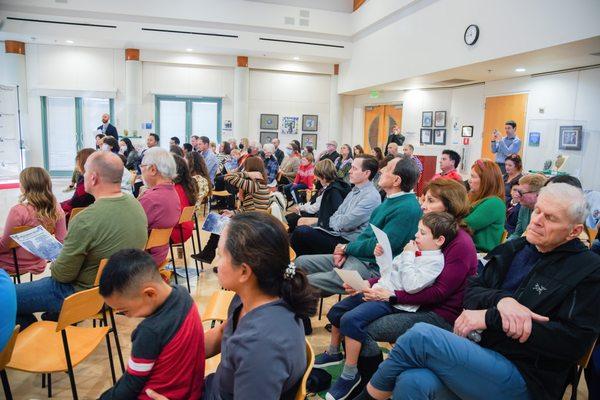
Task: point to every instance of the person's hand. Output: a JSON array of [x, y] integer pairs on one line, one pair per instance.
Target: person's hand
[[339, 260], [349, 289], [304, 221], [255, 175], [295, 210], [378, 294], [155, 396], [469, 321], [411, 246], [339, 249], [496, 135], [378, 252], [517, 319], [227, 213]]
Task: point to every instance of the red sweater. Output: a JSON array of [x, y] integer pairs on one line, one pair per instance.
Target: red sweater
[[305, 175], [188, 227]]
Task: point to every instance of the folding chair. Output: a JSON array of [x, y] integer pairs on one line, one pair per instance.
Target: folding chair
[[187, 215], [217, 306], [5, 357], [581, 365], [160, 237], [310, 362], [13, 246]]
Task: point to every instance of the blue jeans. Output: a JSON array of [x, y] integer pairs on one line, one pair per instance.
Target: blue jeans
[[352, 315], [428, 362], [46, 294], [291, 190]]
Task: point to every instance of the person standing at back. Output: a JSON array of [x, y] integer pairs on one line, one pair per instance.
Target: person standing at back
[[395, 137], [503, 146], [107, 128]]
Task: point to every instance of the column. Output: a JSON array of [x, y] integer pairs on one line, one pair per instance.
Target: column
[[133, 93], [14, 73], [241, 81], [335, 108]]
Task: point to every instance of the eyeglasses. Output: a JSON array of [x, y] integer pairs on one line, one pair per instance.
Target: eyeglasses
[[522, 193]]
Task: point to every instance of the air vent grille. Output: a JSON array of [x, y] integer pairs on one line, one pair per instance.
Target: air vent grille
[[450, 82], [47, 21], [190, 32], [306, 43]]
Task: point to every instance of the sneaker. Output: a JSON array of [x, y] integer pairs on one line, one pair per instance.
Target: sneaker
[[325, 359], [342, 388]]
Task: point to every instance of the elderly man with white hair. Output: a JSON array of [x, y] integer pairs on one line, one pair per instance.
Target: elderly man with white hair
[[160, 201], [271, 164], [534, 312]]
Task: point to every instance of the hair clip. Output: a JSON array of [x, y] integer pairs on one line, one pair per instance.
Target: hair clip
[[290, 271]]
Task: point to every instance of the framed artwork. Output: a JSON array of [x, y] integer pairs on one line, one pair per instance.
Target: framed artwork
[[309, 139], [426, 136], [310, 123], [439, 136], [440, 119], [266, 137], [269, 121], [467, 131], [570, 137], [534, 139], [289, 126], [427, 119]]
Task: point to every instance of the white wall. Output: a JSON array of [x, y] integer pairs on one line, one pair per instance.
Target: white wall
[[291, 95], [566, 99]]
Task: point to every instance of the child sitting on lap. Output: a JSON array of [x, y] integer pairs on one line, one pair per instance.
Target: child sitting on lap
[[167, 350], [416, 268]]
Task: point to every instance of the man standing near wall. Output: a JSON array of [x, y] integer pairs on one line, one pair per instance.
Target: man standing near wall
[[395, 137], [510, 144], [279, 154], [107, 128]]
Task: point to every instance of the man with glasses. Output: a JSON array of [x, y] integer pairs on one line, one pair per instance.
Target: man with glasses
[[528, 189]]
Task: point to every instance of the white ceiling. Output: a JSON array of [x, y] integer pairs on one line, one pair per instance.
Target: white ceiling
[[345, 6]]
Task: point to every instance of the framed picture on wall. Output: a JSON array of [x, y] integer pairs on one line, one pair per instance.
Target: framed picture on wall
[[310, 123], [570, 137], [440, 119], [534, 139], [289, 126], [439, 136], [467, 131], [266, 137], [427, 119], [269, 121], [309, 139], [426, 136]]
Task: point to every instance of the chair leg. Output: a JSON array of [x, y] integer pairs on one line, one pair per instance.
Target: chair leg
[[116, 335], [43, 380], [194, 249], [16, 262], [109, 348], [187, 276], [173, 262], [5, 385], [575, 383], [320, 308], [198, 240], [69, 365], [49, 385]]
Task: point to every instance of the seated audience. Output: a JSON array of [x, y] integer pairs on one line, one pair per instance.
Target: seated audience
[[187, 190], [8, 311], [130, 153], [514, 171], [174, 141], [291, 163], [488, 211], [409, 151], [99, 140], [304, 179], [199, 173], [512, 210], [378, 154], [351, 216], [115, 221], [167, 349], [187, 148], [324, 204], [278, 153], [80, 197], [223, 157], [533, 311], [397, 216], [160, 201], [111, 144], [37, 206], [449, 162], [415, 269], [152, 140], [271, 164], [392, 149], [209, 157], [330, 151], [529, 187], [358, 150], [176, 150], [344, 162]]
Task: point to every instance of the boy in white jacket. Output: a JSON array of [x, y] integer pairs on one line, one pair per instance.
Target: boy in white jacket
[[416, 268]]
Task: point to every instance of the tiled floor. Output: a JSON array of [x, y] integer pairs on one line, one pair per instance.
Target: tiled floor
[[93, 375]]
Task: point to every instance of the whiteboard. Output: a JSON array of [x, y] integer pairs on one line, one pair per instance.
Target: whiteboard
[[10, 146]]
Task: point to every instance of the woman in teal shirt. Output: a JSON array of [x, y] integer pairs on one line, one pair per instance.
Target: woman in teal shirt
[[488, 210]]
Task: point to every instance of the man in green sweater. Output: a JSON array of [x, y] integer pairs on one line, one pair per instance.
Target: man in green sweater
[[529, 188], [398, 216], [115, 221]]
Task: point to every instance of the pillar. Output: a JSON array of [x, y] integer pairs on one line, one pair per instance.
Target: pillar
[[133, 92], [241, 82], [14, 73], [335, 108]]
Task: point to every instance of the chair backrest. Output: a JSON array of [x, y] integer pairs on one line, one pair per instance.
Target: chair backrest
[[79, 306], [17, 229], [584, 361], [101, 266], [310, 362], [158, 237], [504, 236], [8, 349], [75, 211], [218, 306], [292, 254], [187, 214]]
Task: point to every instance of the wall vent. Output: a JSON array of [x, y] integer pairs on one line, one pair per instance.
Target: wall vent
[[190, 33], [303, 22], [306, 43], [48, 21], [450, 82], [304, 13], [289, 20]]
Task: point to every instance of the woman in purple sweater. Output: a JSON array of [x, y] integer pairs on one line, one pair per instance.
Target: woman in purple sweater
[[441, 303]]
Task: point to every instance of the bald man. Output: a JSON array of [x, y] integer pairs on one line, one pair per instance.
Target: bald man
[[115, 221], [107, 128]]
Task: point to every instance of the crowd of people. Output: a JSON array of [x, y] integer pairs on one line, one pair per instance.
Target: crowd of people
[[490, 286]]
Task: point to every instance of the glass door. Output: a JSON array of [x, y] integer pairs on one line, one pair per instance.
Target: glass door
[[172, 121], [93, 109], [205, 119], [61, 134]]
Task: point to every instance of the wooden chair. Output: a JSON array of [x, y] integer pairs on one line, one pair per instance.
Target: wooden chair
[[292, 254], [158, 237], [217, 306], [75, 211], [5, 357], [14, 246], [321, 304], [187, 215], [581, 365], [198, 238], [38, 348], [219, 193], [504, 236], [310, 363]]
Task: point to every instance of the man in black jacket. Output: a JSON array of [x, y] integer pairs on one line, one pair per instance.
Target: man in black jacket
[[534, 311], [279, 154], [107, 128], [331, 152], [395, 137]]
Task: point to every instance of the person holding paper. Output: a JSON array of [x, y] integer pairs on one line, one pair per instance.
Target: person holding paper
[[416, 268]]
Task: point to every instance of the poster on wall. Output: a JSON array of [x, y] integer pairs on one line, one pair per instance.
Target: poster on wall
[[570, 137], [310, 123], [10, 139], [309, 139], [439, 136], [289, 126], [266, 137], [440, 119], [427, 119], [534, 139], [269, 121], [426, 136]]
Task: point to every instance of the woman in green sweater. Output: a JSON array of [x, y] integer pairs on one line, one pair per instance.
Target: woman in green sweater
[[488, 211]]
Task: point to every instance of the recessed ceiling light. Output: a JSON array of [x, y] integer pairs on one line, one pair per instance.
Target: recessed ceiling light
[[521, 69], [296, 58], [189, 50], [69, 41]]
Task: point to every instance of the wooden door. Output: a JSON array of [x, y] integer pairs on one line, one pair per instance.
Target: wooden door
[[393, 117], [379, 121], [498, 110]]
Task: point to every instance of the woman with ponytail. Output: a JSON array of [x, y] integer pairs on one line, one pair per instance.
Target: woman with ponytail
[[37, 206]]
